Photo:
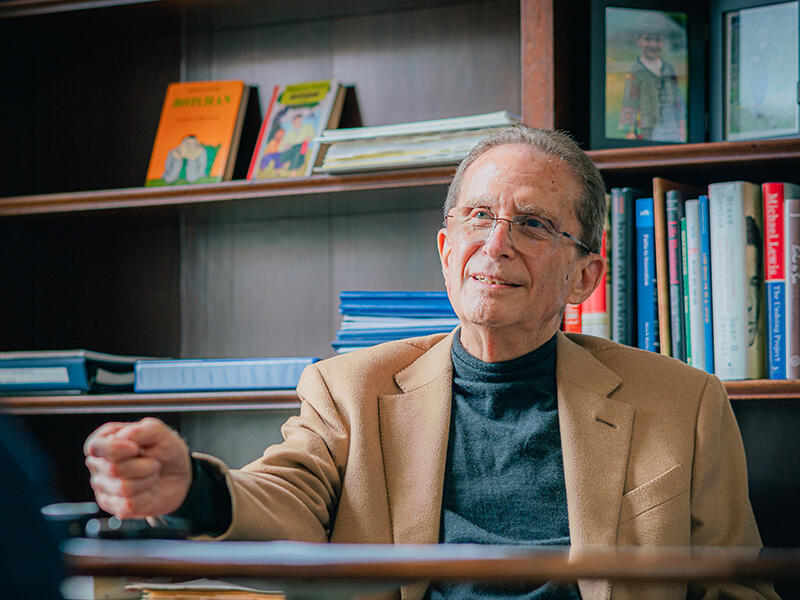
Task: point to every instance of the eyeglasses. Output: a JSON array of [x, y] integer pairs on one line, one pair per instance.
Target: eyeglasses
[[528, 233]]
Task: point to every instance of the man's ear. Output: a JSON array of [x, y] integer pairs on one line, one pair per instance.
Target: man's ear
[[443, 243], [587, 274]]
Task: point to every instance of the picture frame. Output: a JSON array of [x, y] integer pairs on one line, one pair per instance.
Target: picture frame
[[647, 73], [754, 69]]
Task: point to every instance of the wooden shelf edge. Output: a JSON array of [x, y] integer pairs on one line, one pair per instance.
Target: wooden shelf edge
[[695, 155], [756, 389], [221, 192], [150, 403]]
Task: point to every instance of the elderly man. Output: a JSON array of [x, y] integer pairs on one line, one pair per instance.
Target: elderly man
[[504, 431]]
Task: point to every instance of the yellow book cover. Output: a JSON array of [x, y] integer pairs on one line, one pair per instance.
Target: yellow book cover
[[198, 133], [297, 113]]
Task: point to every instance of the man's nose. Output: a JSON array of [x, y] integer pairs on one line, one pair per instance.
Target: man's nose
[[499, 238]]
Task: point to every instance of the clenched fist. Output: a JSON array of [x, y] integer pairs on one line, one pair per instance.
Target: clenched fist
[[138, 469]]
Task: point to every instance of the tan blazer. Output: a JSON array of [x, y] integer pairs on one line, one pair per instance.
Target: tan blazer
[[652, 456]]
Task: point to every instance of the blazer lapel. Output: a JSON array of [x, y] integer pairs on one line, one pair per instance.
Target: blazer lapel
[[595, 439], [414, 427]]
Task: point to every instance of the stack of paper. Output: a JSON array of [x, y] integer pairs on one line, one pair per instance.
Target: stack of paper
[[201, 589], [369, 318], [422, 143]]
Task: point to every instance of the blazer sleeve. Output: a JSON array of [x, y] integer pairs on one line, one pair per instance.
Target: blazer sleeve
[[721, 511], [291, 491]]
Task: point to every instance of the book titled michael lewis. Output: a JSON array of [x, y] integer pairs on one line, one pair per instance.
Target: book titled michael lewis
[[735, 226], [776, 260], [225, 374], [198, 133]]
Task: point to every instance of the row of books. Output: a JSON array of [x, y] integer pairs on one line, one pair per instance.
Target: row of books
[[204, 134], [86, 371], [708, 276], [373, 317]]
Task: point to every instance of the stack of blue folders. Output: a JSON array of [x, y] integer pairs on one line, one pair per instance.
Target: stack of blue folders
[[370, 318]]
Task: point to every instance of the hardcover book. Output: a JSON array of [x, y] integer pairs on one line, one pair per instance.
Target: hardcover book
[[792, 212], [696, 333], [776, 255], [646, 296], [705, 283], [674, 214], [737, 279], [198, 133], [623, 266], [296, 115]]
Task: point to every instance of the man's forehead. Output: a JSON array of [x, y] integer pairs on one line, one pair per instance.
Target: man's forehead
[[520, 173]]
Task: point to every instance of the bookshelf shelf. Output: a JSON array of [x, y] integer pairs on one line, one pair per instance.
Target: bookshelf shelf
[[131, 198], [762, 153], [149, 403], [757, 389]]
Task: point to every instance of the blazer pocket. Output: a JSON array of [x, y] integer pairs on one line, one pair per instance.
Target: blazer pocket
[[655, 492]]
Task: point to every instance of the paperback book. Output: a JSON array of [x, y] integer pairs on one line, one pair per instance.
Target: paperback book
[[198, 134], [296, 115]]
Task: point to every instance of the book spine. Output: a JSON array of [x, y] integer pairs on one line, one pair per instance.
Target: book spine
[[696, 335], [572, 318], [44, 375], [685, 300], [775, 279], [662, 270], [705, 280], [736, 246], [594, 310], [262, 134], [646, 294], [674, 212], [623, 299], [792, 213]]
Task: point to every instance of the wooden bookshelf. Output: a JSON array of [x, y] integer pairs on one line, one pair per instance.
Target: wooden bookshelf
[[148, 197], [757, 389]]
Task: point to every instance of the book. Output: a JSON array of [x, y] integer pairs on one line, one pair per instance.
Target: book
[[694, 286], [434, 142], [594, 310], [705, 282], [674, 213], [200, 589], [572, 318], [296, 115], [197, 139], [646, 295], [792, 215], [685, 288], [623, 266], [65, 372], [775, 195], [736, 279], [395, 303], [222, 374], [660, 188]]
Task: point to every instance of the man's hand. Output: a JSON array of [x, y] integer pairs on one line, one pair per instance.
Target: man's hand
[[138, 469]]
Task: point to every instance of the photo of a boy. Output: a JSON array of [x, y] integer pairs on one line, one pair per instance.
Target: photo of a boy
[[651, 103]]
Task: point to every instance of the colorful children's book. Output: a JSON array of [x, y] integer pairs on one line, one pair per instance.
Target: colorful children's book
[[297, 114], [198, 134]]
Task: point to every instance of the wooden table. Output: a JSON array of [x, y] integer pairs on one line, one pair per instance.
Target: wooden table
[[304, 570]]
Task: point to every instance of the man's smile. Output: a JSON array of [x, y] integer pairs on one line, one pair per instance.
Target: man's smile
[[493, 281]]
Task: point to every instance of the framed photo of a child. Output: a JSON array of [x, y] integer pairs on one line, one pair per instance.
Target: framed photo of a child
[[754, 69], [647, 75]]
